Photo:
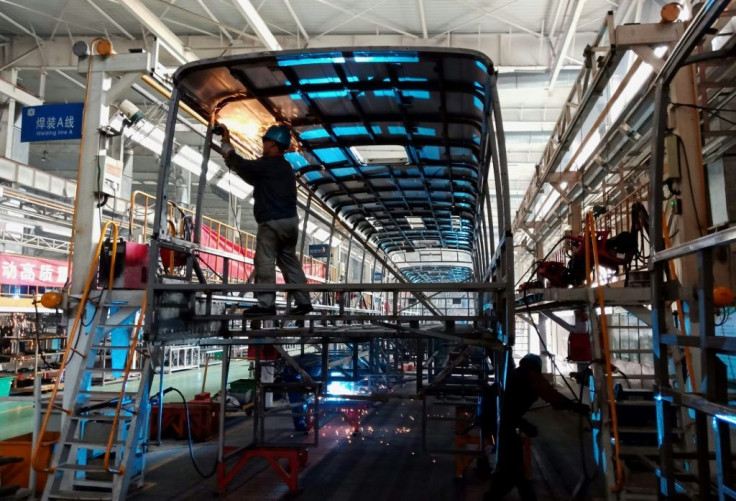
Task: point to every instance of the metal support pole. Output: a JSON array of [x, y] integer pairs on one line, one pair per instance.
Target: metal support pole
[[223, 392]]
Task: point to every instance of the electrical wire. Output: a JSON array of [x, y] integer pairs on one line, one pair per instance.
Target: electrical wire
[[725, 315], [189, 435], [681, 145], [713, 111]]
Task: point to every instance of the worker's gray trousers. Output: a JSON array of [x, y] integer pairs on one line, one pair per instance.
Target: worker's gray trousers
[[276, 245]]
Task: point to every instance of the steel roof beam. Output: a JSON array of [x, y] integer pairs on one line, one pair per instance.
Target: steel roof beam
[[246, 9], [22, 96], [107, 16], [422, 18], [165, 36], [369, 19], [296, 20], [566, 41]]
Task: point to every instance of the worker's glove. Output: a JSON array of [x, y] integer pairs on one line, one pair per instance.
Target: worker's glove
[[226, 149]]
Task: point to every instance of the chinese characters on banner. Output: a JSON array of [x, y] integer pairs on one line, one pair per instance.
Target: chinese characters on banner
[[21, 270]]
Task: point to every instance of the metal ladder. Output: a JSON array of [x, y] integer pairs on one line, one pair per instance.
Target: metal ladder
[[621, 459], [103, 432]]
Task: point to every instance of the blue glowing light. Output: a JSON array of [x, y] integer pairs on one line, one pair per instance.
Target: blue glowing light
[[314, 134], [355, 130], [425, 131], [325, 80], [330, 155], [296, 160], [367, 57], [344, 172], [327, 94], [312, 59]]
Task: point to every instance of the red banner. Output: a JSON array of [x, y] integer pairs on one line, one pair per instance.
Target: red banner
[[21, 270], [241, 271]]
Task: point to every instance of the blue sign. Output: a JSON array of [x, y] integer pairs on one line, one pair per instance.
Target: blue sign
[[51, 122], [319, 250], [377, 276]]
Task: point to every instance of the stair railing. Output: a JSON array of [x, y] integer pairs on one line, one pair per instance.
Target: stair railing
[[119, 406], [591, 245]]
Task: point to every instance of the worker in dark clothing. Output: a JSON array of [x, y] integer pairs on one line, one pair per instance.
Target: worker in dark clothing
[[274, 193], [524, 385]]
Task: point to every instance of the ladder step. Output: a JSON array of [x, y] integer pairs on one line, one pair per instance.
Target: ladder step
[[97, 484], [89, 468], [99, 417], [636, 429], [108, 347], [91, 444], [110, 369], [109, 394], [90, 495]]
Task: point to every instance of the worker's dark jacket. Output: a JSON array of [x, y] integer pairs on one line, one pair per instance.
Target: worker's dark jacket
[[274, 185], [523, 388]]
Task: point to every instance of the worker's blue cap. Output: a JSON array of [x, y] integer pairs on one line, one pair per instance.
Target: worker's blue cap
[[532, 361], [279, 134]]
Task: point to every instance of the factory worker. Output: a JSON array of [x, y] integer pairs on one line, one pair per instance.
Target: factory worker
[[274, 194]]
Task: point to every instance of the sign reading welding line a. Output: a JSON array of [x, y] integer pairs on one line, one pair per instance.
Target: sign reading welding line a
[[51, 122]]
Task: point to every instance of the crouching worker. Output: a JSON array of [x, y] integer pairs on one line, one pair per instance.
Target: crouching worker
[[524, 386]]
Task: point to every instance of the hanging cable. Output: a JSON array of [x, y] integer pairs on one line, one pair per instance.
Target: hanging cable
[[190, 442]]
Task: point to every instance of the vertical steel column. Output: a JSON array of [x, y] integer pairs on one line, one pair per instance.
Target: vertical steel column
[[223, 393], [356, 366], [202, 185], [304, 230], [325, 364], [420, 364], [659, 311]]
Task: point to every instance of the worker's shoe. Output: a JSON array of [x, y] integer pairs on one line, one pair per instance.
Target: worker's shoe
[[302, 309], [259, 311]]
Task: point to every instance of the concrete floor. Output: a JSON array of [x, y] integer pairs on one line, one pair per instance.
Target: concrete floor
[[384, 462], [16, 418]]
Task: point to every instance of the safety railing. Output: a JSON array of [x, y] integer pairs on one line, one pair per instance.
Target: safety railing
[[121, 395], [73, 332], [619, 217], [215, 234]]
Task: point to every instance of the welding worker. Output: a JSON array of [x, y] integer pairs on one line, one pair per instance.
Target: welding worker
[[525, 384], [274, 194]]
